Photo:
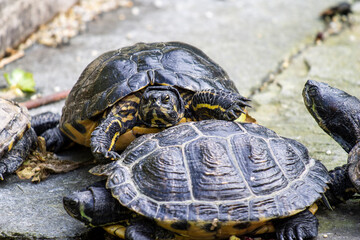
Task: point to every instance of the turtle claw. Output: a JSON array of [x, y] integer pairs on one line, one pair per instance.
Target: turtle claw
[[244, 102], [112, 155], [233, 112], [301, 226], [102, 154]]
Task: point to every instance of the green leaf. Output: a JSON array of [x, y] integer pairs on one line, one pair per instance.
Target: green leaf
[[20, 79], [7, 78]]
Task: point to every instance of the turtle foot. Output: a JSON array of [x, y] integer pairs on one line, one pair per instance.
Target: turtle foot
[[303, 225]]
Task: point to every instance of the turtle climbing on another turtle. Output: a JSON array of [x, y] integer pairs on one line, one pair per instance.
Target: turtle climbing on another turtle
[[142, 89], [18, 134], [338, 114], [206, 180]]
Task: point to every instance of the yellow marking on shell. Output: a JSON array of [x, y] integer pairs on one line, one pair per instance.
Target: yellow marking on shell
[[144, 130], [226, 229], [10, 146], [313, 208], [125, 139], [206, 105], [81, 138], [116, 230], [89, 125]]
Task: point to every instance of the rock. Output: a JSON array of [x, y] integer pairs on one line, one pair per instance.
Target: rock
[[35, 210], [19, 18]]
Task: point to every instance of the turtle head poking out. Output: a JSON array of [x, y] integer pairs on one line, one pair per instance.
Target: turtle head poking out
[[88, 204], [161, 106], [334, 111], [74, 206]]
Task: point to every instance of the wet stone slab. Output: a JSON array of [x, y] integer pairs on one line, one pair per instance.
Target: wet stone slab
[[35, 210]]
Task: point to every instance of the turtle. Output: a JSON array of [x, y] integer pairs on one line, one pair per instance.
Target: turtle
[[18, 134], [142, 89], [209, 179], [338, 114]]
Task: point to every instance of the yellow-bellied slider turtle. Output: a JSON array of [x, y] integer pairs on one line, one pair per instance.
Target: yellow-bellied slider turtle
[[139, 89], [207, 180], [338, 114], [17, 137]]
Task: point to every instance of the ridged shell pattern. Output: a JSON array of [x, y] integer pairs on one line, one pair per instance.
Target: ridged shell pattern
[[14, 121], [115, 74], [215, 169]]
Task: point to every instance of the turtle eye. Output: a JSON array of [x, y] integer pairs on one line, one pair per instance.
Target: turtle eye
[[313, 91], [166, 99]]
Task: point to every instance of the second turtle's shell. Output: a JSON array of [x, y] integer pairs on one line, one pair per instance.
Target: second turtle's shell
[[200, 172]]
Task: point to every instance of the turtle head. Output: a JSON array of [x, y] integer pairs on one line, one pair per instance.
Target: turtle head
[[336, 112], [95, 206], [80, 206], [161, 106]]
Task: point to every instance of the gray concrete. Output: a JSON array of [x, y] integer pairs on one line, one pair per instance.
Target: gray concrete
[[249, 39]]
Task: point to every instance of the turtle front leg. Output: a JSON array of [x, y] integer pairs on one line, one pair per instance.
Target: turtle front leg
[[55, 139], [104, 137], [140, 231], [46, 125], [218, 104], [16, 156], [301, 226], [341, 188], [145, 229]]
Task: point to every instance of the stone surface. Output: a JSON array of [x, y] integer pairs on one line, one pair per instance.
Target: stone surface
[[280, 107], [35, 210], [20, 18], [248, 39]]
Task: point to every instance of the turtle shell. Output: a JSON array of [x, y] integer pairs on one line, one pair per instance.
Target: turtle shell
[[237, 174], [116, 74], [14, 121]]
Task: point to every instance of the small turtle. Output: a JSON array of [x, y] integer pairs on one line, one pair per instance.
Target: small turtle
[[17, 137], [206, 180], [338, 114], [141, 89]]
